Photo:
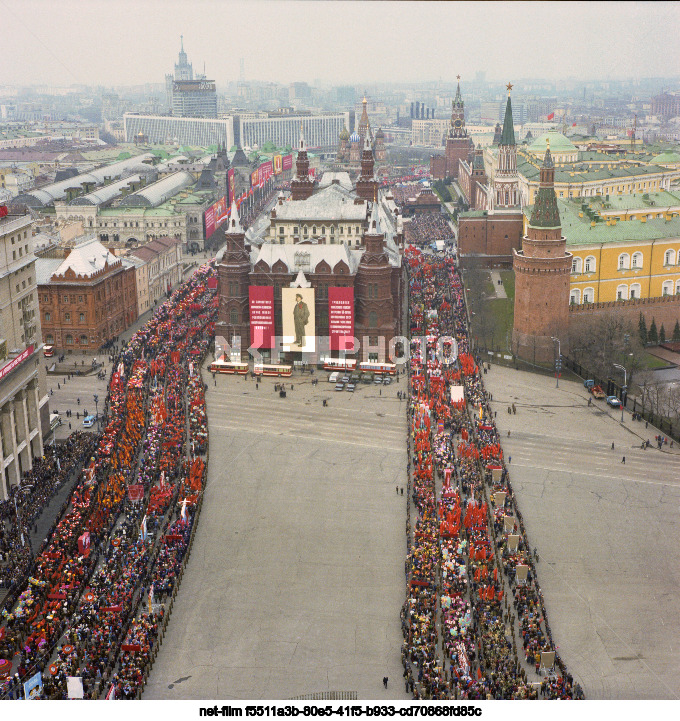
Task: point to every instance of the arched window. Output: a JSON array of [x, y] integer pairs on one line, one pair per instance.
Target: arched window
[[622, 292], [637, 260], [314, 230], [576, 264], [677, 287], [624, 261], [323, 230], [69, 339], [590, 264], [635, 290], [233, 316], [49, 339], [305, 231], [589, 295], [575, 296], [83, 340], [667, 287], [669, 257], [372, 319]]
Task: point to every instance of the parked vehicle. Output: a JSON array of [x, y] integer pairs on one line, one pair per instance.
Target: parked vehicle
[[340, 386], [598, 392], [88, 421], [351, 387], [48, 351], [613, 401], [333, 377]]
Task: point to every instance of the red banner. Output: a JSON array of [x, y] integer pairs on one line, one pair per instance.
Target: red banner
[[261, 316], [287, 162], [84, 544], [136, 492], [212, 283], [215, 215], [254, 176], [277, 165], [341, 318], [11, 365], [266, 171]]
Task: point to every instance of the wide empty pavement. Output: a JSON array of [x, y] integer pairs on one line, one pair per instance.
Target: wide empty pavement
[[606, 532], [296, 577]]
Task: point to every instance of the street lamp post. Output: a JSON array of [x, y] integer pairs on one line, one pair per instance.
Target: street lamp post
[[624, 388], [96, 409], [558, 362]]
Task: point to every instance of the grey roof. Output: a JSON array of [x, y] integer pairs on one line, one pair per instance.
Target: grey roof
[[158, 192], [328, 177], [56, 191], [333, 203], [332, 254], [106, 193], [45, 268]]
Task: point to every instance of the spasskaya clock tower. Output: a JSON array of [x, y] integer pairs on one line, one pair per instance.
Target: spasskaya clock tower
[[458, 144]]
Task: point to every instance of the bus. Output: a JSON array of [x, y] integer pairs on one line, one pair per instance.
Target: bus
[[48, 351], [222, 366], [375, 367], [264, 369], [339, 364]]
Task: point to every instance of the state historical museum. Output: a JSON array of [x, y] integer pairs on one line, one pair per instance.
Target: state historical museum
[[337, 248]]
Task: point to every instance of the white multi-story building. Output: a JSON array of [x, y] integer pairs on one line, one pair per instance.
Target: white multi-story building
[[199, 132], [320, 131], [24, 411]]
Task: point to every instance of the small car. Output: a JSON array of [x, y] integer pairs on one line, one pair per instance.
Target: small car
[[386, 380], [350, 387], [340, 386], [88, 421], [345, 379], [613, 401]]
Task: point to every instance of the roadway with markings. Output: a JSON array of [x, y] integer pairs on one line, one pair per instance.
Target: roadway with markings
[[297, 572], [606, 532]]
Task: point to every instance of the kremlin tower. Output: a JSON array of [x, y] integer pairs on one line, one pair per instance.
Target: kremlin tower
[[301, 186], [542, 271]]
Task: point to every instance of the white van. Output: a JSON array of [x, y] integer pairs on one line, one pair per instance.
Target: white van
[[333, 377]]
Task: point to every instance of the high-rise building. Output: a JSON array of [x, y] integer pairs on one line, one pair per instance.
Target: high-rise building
[[194, 99], [24, 411], [189, 96]]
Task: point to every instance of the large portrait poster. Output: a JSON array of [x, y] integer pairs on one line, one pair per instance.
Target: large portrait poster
[[341, 318], [261, 299], [299, 323]]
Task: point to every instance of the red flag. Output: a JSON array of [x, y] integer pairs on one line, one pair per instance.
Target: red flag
[[551, 116], [479, 674], [630, 133], [573, 125]]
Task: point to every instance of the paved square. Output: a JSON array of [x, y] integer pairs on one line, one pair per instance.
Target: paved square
[[296, 577], [607, 533]]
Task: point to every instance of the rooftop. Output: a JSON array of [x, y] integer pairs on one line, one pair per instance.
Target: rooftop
[[330, 203], [579, 231]]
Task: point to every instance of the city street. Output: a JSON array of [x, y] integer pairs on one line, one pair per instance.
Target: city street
[[297, 573], [606, 532]]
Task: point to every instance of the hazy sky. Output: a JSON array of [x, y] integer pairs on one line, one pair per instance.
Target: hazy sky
[[124, 42]]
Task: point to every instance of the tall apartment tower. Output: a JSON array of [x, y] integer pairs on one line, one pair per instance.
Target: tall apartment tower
[[542, 271]]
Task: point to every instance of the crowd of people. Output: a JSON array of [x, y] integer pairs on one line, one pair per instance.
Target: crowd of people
[[38, 486], [472, 592], [88, 609], [425, 228]]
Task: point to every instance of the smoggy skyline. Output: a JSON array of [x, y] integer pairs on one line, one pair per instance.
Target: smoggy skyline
[[127, 43]]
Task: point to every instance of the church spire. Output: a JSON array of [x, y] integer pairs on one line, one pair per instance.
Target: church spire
[[234, 225], [303, 146]]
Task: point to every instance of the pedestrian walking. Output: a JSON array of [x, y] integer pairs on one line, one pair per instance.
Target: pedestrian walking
[[623, 460], [612, 445], [385, 680]]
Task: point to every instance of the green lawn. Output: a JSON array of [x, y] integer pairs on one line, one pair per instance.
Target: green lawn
[[508, 278], [652, 362]]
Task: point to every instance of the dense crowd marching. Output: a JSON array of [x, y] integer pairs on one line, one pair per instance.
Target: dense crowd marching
[[425, 228], [38, 487], [126, 528], [473, 595]]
